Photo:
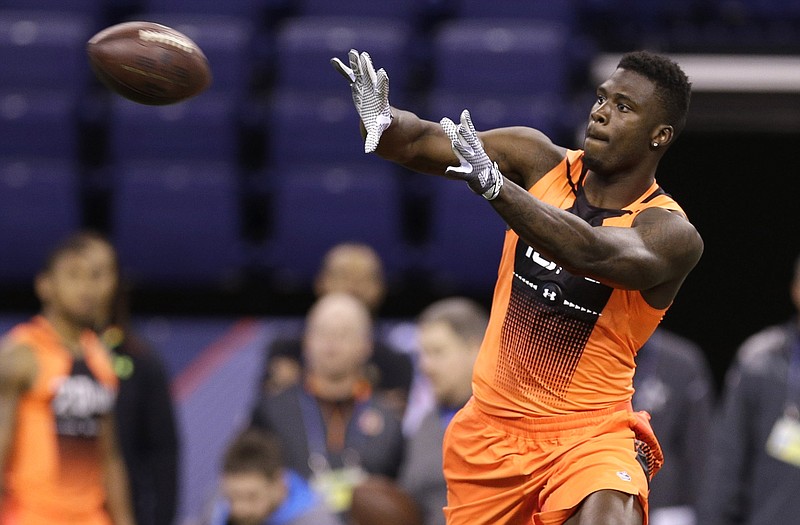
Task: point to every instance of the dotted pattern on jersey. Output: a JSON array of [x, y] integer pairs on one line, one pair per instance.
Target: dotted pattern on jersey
[[540, 348]]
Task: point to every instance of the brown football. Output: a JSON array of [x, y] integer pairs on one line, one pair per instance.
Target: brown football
[[149, 63], [380, 501]]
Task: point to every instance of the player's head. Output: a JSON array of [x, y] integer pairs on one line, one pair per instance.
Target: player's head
[[638, 113], [252, 477], [337, 340], [79, 279], [450, 335], [353, 268], [673, 88]]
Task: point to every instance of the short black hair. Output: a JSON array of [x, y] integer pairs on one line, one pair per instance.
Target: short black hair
[[254, 450], [672, 85], [75, 243]]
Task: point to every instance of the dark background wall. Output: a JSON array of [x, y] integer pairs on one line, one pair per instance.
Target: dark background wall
[[741, 191]]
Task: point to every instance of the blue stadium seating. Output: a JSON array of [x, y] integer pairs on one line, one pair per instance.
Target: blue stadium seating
[[462, 251], [405, 9], [178, 223], [39, 206], [563, 11], [502, 57], [39, 124], [252, 9], [201, 128], [489, 111], [318, 205], [308, 127], [95, 9], [44, 50], [305, 45]]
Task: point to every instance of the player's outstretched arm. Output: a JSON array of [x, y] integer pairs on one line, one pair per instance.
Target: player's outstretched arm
[[402, 137]]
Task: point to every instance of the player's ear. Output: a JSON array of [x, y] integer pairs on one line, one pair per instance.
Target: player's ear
[[662, 136], [43, 286]]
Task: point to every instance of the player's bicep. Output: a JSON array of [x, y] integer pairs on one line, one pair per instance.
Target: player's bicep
[[661, 247], [673, 241]]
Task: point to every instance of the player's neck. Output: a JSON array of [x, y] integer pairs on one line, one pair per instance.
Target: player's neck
[[616, 191], [68, 332]]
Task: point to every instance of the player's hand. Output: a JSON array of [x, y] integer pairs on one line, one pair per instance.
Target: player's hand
[[482, 175], [370, 95]]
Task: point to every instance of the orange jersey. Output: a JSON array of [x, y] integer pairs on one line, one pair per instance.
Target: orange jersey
[[559, 343], [54, 473]]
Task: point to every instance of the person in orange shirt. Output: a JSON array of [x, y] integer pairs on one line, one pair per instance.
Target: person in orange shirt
[[594, 255], [59, 456]]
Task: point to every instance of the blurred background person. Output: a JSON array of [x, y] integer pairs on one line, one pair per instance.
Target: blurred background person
[[673, 383], [754, 458], [59, 455], [332, 428], [450, 334], [257, 489], [145, 414], [356, 269]]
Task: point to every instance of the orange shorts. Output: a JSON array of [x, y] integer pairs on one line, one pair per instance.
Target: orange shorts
[[537, 471], [13, 514]]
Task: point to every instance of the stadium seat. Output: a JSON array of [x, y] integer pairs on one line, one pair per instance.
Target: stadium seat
[[201, 128], [37, 123], [44, 50], [501, 57], [228, 43], [96, 9], [318, 205], [305, 45], [308, 127], [405, 10], [462, 251], [178, 223], [39, 206], [562, 11], [252, 9], [491, 111]]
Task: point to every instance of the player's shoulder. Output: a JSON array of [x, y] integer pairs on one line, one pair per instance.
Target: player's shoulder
[[18, 364]]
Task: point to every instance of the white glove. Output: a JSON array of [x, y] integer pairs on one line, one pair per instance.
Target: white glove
[[482, 175], [370, 95]]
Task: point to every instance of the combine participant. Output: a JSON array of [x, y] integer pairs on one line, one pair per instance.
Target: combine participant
[[594, 256], [58, 449]]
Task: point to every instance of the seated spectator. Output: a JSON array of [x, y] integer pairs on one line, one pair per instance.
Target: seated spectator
[[355, 269], [333, 430], [450, 335], [256, 488]]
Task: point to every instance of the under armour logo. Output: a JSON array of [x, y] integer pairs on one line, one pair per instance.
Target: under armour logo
[[551, 292]]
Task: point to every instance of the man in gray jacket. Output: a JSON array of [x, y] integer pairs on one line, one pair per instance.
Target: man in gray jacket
[[673, 383], [450, 335], [754, 463]]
